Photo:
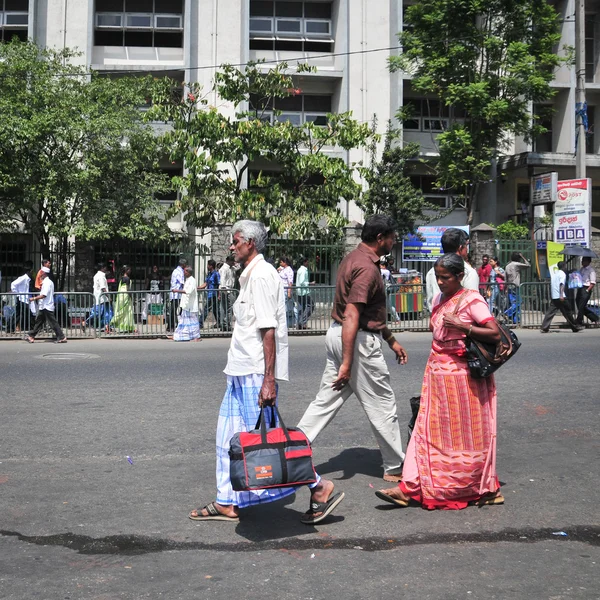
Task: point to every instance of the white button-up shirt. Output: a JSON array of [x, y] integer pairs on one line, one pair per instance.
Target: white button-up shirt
[[227, 275], [100, 284], [260, 305], [21, 286], [47, 303], [588, 275], [189, 301], [432, 289]]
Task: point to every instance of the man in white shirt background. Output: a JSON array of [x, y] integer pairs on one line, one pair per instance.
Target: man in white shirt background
[[46, 309], [101, 300], [455, 241], [226, 287], [559, 301], [588, 278], [257, 359], [177, 282], [21, 286]]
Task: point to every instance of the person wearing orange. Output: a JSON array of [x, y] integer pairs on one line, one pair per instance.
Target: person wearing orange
[[46, 262], [451, 458]]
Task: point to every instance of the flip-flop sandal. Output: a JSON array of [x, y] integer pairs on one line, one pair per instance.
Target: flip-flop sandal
[[213, 515], [490, 500], [392, 477], [397, 501], [325, 508]]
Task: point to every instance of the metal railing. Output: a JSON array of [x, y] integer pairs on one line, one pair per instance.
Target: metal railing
[[70, 308], [147, 314]]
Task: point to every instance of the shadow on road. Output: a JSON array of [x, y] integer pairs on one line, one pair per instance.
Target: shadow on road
[[366, 461]]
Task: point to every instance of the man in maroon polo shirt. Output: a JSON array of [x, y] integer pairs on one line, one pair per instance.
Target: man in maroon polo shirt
[[355, 362]]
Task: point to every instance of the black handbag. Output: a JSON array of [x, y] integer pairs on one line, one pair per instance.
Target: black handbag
[[484, 358]]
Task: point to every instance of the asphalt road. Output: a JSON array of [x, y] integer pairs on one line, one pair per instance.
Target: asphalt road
[[78, 520]]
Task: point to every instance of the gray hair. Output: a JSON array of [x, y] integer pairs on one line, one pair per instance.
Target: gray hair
[[452, 263], [252, 230]]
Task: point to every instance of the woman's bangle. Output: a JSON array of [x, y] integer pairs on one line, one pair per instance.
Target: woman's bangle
[[470, 329]]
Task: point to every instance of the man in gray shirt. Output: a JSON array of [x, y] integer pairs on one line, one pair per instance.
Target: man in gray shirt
[[513, 269]]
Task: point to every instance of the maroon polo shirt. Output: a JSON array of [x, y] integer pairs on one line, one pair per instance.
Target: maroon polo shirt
[[359, 281]]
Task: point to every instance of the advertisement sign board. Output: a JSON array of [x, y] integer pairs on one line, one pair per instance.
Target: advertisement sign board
[[544, 188], [552, 252], [426, 245], [572, 212]]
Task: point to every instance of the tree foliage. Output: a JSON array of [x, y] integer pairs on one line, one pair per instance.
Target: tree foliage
[[76, 158], [241, 164], [490, 59], [390, 190], [509, 230]]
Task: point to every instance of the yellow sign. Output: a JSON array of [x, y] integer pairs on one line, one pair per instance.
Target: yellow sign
[[552, 251]]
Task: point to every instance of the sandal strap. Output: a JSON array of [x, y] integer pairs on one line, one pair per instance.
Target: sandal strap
[[211, 509]]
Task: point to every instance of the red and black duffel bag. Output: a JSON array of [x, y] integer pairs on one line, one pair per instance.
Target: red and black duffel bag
[[270, 457]]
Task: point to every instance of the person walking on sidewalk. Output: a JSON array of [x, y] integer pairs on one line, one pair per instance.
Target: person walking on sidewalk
[[355, 361], [257, 359], [21, 286], [559, 301], [45, 312], [588, 277]]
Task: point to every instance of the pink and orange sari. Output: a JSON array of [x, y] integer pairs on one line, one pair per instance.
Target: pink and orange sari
[[451, 457]]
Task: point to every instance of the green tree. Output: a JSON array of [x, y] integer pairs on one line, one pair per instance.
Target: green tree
[[489, 59], [76, 158], [246, 164], [390, 189]]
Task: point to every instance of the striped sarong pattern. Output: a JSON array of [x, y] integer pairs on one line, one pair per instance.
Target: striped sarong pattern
[[188, 327]]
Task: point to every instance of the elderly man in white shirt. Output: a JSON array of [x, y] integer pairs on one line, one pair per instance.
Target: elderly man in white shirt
[[177, 282], [588, 277], [21, 286], [455, 241], [257, 358], [46, 309]]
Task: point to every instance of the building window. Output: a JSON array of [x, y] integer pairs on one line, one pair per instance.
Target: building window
[[293, 26], [590, 51], [432, 195], [147, 23], [543, 117], [297, 110], [429, 116], [171, 195], [14, 20]]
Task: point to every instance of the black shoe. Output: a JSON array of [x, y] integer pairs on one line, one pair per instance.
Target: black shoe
[[544, 330], [578, 329]]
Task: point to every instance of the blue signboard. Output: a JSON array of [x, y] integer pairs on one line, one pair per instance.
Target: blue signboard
[[426, 245]]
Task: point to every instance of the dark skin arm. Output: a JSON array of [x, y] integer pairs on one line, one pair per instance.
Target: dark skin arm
[[488, 332], [349, 331], [268, 391]]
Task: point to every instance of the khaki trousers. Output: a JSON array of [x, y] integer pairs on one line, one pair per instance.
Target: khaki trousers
[[370, 383]]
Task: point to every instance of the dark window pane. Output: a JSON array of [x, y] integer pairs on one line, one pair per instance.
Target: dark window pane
[[590, 145], [138, 38], [22, 5], [412, 124], [317, 10], [9, 34], [288, 9], [261, 25], [109, 5], [317, 27], [261, 44], [427, 184], [321, 47], [260, 104], [288, 26], [596, 200], [259, 8], [288, 46], [320, 120], [138, 6], [171, 39], [108, 38], [169, 6], [291, 103], [317, 104], [434, 108]]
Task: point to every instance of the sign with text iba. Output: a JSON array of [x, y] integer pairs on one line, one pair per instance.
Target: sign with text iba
[[426, 245], [572, 212]]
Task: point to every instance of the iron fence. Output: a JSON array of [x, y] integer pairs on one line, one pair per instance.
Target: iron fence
[[17, 315]]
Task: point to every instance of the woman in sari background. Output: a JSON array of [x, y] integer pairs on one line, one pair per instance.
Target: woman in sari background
[[188, 326], [451, 457], [123, 321]]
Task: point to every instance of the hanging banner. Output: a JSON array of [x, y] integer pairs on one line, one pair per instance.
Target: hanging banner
[[544, 188], [427, 243], [572, 212], [552, 252]]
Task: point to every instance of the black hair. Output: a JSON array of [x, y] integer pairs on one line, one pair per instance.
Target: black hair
[[515, 256], [124, 269], [28, 266], [100, 266], [376, 225], [561, 265], [211, 263], [453, 239], [230, 258], [485, 256], [495, 259], [452, 262]]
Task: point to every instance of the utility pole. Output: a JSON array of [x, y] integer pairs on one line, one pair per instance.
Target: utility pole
[[580, 86]]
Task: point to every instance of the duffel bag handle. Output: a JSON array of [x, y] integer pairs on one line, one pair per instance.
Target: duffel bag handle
[[263, 425]]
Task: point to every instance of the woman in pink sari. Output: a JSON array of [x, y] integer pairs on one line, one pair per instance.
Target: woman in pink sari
[[451, 457]]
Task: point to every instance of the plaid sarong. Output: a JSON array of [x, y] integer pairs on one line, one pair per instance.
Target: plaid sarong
[[239, 412], [188, 327]]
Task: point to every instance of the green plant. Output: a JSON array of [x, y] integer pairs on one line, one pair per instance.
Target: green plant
[[509, 230]]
